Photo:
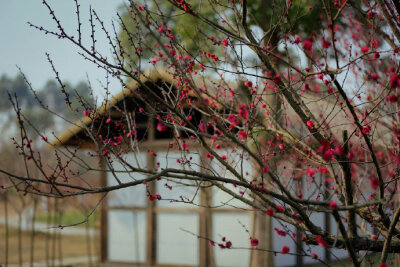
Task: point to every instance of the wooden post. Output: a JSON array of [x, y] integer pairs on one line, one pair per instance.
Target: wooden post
[[262, 230], [206, 251], [103, 215], [396, 260], [299, 243], [151, 231], [328, 257]]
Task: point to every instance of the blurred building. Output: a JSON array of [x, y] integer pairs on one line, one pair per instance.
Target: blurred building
[[191, 220]]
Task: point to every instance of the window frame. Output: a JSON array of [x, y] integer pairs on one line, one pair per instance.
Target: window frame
[[206, 254]]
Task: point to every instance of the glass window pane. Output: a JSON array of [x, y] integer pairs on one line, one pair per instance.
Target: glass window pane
[[243, 166], [181, 190], [174, 245], [311, 190], [126, 236], [229, 225], [280, 241], [337, 254], [131, 196]]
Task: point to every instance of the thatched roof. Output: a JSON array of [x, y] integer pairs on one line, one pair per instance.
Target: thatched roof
[[337, 121], [154, 75], [152, 78]]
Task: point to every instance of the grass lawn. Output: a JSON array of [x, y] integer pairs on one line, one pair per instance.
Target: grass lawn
[[70, 217]]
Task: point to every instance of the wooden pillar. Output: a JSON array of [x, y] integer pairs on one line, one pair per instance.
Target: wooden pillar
[[328, 256], [299, 242], [299, 248], [151, 230], [396, 260], [206, 250], [103, 215], [262, 229], [262, 225]]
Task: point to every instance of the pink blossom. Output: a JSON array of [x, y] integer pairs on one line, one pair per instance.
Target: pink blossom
[[285, 250], [202, 127], [366, 129], [277, 79], [269, 212], [297, 40], [321, 242], [209, 155], [280, 232], [375, 182], [310, 171], [161, 127], [374, 76], [326, 44], [394, 80], [308, 44], [248, 84], [339, 150], [265, 169], [232, 119], [364, 49], [392, 98], [242, 135], [310, 124], [243, 112], [254, 242], [328, 155], [279, 208], [333, 205]]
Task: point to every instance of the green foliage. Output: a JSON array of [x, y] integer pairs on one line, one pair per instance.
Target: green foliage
[[16, 86], [70, 218], [180, 24], [267, 15], [302, 18], [5, 83]]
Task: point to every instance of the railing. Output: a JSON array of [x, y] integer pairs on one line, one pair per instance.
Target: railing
[[34, 231]]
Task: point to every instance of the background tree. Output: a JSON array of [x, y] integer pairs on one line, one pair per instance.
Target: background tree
[[50, 96]]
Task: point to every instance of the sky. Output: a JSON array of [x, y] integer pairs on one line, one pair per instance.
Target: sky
[[25, 46]]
